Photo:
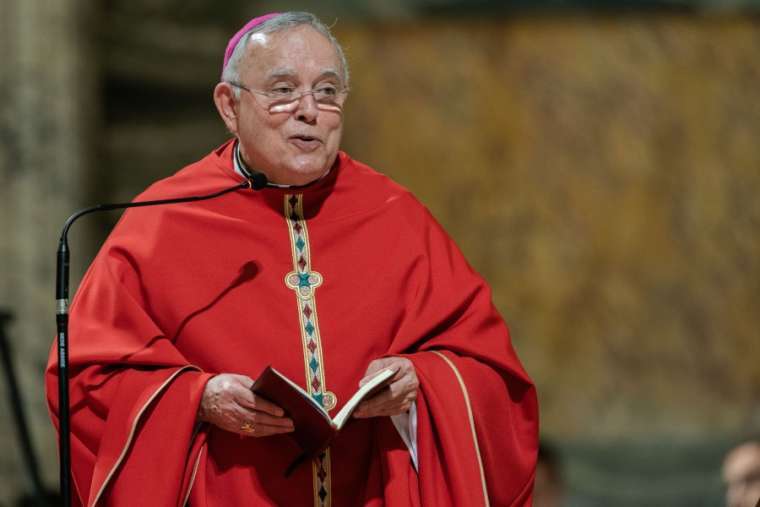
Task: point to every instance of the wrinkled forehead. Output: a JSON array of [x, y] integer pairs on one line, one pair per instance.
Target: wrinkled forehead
[[297, 52]]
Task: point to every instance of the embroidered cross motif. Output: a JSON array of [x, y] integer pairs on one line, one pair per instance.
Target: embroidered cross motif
[[303, 283]]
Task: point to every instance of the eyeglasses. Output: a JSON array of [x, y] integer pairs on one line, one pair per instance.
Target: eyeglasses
[[285, 99]]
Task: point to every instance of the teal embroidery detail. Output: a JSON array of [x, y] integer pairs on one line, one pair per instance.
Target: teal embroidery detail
[[304, 281]]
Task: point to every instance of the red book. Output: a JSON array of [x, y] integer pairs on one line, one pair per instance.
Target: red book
[[314, 428]]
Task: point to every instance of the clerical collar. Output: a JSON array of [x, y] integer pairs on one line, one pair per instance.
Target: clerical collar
[[242, 169]]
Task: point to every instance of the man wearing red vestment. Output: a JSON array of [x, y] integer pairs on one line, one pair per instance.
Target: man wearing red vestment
[[330, 273]]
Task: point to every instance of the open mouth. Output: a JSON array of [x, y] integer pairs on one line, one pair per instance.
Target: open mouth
[[305, 143], [305, 138]]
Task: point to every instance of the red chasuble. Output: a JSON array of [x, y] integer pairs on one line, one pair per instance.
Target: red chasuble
[[316, 282]]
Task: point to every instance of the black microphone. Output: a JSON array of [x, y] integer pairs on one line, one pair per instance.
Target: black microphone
[[258, 180], [254, 181]]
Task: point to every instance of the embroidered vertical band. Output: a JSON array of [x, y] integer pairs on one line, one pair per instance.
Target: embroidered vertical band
[[303, 280]]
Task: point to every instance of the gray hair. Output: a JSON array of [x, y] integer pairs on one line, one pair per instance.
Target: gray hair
[[231, 73]]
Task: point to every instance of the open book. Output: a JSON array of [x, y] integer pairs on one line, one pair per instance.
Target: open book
[[314, 428]]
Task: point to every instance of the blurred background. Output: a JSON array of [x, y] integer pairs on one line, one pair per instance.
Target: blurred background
[[597, 161]]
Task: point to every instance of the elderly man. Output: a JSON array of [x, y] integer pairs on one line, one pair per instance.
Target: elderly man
[[741, 474], [329, 274]]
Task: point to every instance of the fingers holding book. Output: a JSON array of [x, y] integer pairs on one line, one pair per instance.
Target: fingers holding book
[[398, 396], [229, 404]]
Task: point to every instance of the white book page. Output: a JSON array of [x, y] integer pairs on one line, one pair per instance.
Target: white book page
[[378, 379]]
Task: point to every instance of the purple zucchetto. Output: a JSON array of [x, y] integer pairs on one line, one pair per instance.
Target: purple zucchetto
[[240, 33]]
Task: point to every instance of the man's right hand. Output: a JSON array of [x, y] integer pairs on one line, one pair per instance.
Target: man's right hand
[[229, 403]]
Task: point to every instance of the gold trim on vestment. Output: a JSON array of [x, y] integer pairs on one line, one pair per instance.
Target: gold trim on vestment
[[192, 477], [134, 427], [315, 464], [472, 424], [304, 281]]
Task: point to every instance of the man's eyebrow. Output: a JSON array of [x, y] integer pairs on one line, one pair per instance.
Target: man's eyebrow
[[329, 73], [279, 73], [290, 73]]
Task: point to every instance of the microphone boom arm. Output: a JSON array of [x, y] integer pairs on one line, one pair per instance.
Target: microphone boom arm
[[62, 315]]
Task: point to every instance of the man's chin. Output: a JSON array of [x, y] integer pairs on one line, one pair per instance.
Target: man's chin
[[301, 171]]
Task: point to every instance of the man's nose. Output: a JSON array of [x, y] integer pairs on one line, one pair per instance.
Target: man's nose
[[307, 108]]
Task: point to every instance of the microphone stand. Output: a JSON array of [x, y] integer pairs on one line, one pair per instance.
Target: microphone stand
[[255, 181]]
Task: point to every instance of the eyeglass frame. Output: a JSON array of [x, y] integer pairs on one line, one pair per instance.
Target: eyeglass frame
[[343, 91]]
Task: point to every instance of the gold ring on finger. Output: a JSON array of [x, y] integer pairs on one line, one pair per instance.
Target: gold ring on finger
[[247, 427]]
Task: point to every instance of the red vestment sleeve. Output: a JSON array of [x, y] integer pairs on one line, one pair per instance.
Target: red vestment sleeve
[[133, 396], [477, 426]]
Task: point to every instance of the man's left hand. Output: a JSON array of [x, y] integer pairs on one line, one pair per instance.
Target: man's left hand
[[398, 396]]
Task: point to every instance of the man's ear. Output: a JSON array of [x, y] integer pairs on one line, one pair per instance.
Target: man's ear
[[226, 104]]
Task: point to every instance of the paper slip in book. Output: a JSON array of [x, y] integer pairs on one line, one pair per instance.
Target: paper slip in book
[[314, 428]]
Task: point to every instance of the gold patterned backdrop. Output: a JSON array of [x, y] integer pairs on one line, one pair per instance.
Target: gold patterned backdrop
[[603, 174]]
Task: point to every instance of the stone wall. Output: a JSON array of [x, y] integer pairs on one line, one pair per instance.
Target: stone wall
[[602, 173], [47, 110]]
